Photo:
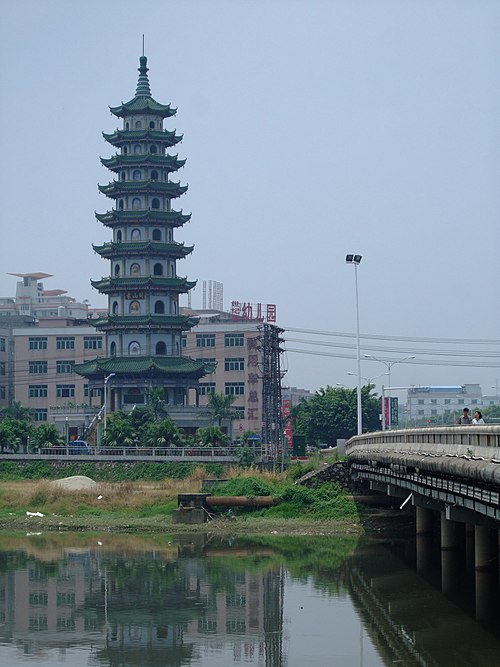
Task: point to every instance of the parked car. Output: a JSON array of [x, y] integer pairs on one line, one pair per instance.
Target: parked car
[[79, 447]]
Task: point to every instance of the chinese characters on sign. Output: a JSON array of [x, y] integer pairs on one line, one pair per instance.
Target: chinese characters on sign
[[264, 312], [286, 407]]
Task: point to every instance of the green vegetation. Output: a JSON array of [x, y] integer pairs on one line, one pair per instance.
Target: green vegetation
[[332, 414]]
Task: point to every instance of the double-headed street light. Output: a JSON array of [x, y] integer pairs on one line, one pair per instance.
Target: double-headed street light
[[355, 260], [368, 380], [389, 365], [106, 380]]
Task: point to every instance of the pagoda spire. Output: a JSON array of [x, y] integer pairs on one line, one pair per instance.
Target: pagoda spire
[[143, 89]]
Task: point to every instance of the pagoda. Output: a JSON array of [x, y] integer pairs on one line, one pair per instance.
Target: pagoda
[[144, 328]]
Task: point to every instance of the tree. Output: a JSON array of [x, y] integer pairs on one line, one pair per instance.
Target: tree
[[219, 407], [120, 431], [491, 412], [156, 402], [164, 433], [14, 433], [16, 411], [46, 435], [332, 414], [212, 436]]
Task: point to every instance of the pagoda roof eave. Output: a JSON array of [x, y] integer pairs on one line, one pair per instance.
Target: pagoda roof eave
[[178, 250], [184, 322], [170, 162], [143, 104], [119, 137], [139, 365], [174, 218], [117, 188], [112, 285]]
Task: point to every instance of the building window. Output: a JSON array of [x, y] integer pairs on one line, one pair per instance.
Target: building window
[[65, 342], [2, 367], [447, 401], [159, 307], [421, 412], [184, 341], [420, 401], [92, 342], [65, 390], [64, 366], [156, 235], [234, 388], [461, 401], [433, 401], [2, 344], [473, 402], [434, 412], [37, 367], [37, 343], [2, 391], [205, 340], [38, 390], [235, 364], [234, 340], [239, 411], [207, 388], [86, 390], [161, 349], [39, 414], [157, 269]]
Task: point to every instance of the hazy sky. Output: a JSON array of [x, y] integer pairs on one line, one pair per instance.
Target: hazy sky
[[311, 129]]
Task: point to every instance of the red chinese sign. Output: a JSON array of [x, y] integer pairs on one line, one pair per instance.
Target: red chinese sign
[[263, 312], [286, 409]]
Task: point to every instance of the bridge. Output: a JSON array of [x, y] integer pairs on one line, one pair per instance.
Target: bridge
[[451, 477]]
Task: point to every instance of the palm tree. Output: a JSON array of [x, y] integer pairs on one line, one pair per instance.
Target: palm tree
[[17, 411], [219, 407]]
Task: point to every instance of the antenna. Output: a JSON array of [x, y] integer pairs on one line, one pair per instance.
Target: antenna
[[142, 44]]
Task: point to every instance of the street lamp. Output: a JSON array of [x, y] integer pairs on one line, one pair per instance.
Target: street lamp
[[389, 365], [355, 260], [368, 380], [106, 380]]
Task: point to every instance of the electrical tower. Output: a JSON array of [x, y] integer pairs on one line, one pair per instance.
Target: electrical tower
[[272, 419]]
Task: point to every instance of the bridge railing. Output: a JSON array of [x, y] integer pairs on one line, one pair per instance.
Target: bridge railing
[[471, 436]]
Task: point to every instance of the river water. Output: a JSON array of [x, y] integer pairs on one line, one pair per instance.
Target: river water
[[105, 600]]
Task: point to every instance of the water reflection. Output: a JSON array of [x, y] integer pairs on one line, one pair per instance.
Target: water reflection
[[126, 601]]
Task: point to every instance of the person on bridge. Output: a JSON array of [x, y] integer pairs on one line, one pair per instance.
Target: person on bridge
[[478, 418], [464, 419]]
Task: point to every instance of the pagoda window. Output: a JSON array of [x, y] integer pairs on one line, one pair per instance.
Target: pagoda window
[[154, 175], [159, 307], [173, 307], [114, 308], [117, 269], [135, 235], [124, 150], [172, 271], [112, 349], [127, 125], [138, 125], [120, 204], [137, 149], [134, 307], [136, 203], [134, 347], [155, 203], [122, 176], [156, 234], [152, 124], [161, 349], [177, 348], [158, 269], [119, 236], [169, 236], [135, 269], [153, 149], [136, 175]]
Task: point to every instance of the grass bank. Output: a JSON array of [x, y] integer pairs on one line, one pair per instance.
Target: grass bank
[[135, 506]]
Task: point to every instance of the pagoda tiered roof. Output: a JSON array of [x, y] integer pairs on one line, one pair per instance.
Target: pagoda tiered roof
[[119, 188], [120, 137], [131, 322], [138, 248], [112, 285], [140, 365], [116, 217], [117, 162], [142, 104]]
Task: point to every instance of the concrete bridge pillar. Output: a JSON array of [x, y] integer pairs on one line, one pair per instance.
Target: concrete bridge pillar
[[424, 525], [452, 535], [470, 544], [486, 556]]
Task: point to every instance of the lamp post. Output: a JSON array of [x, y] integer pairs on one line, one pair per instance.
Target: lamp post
[[389, 365], [368, 380], [355, 260], [106, 380]]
